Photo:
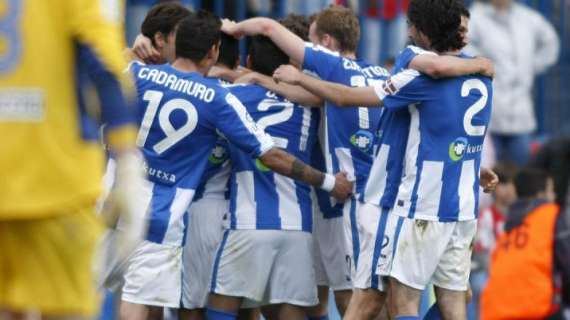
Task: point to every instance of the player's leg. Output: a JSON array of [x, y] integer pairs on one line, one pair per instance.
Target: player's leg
[[417, 250], [451, 278], [291, 312], [204, 233], [191, 314], [405, 299], [369, 293], [135, 311], [321, 310], [223, 307], [342, 299]]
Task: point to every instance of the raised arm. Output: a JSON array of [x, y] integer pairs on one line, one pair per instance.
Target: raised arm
[[340, 95], [286, 40], [293, 93], [449, 66]]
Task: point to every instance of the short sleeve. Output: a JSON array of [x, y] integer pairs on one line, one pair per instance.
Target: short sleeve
[[320, 61], [402, 89], [407, 55], [237, 125]]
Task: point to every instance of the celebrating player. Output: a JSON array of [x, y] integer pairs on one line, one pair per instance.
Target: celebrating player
[[444, 134], [180, 111]]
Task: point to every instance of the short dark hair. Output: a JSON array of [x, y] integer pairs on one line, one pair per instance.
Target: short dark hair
[[506, 171], [440, 21], [265, 55], [163, 18], [298, 24], [196, 35], [342, 24], [229, 51], [529, 182]]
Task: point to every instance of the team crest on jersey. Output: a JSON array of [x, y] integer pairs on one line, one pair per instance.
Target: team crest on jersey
[[219, 155], [457, 149], [362, 139]]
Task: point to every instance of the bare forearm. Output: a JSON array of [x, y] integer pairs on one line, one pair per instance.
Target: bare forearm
[[289, 166], [293, 93], [445, 66], [286, 40], [338, 94]]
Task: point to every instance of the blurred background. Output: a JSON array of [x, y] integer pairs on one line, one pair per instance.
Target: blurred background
[[531, 116]]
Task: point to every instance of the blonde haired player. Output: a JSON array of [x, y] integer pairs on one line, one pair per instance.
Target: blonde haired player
[[50, 156]]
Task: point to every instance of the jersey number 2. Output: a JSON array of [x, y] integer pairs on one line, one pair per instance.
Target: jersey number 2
[[173, 135], [468, 86]]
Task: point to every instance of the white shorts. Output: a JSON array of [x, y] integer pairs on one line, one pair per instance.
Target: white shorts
[[434, 251], [153, 276], [332, 254], [110, 268], [266, 267], [374, 236], [205, 231]]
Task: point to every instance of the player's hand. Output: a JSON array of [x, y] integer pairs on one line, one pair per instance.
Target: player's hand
[[342, 187], [230, 27], [145, 51], [487, 66], [488, 180], [287, 74], [248, 78], [122, 209]]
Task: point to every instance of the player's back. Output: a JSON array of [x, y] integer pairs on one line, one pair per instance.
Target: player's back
[[49, 164], [261, 199], [350, 134], [448, 119]]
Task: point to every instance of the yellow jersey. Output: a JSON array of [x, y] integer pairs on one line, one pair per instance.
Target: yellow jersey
[[48, 165]]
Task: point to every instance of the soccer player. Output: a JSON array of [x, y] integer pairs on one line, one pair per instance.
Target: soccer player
[[445, 131], [210, 205], [346, 145], [180, 112], [270, 220], [52, 160]]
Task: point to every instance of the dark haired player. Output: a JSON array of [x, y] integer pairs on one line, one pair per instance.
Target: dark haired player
[[270, 221], [180, 111], [441, 125]]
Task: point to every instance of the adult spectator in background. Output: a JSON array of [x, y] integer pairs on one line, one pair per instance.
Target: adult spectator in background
[[522, 44]]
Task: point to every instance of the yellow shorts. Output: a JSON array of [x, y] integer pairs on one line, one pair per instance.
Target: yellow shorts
[[46, 264]]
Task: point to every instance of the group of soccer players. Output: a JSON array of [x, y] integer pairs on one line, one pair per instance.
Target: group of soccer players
[[305, 170]]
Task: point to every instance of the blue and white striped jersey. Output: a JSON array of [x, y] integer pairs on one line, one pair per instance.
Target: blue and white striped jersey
[[216, 178], [447, 122], [349, 135], [386, 173], [179, 115], [260, 198], [215, 181]]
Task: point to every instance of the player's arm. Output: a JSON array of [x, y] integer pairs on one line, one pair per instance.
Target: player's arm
[[488, 179], [286, 164], [233, 120], [340, 95], [286, 40], [103, 57], [437, 66], [293, 93]]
